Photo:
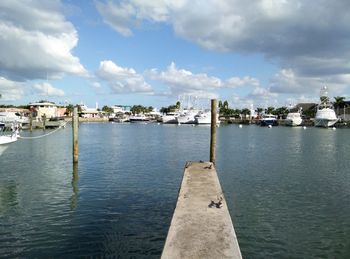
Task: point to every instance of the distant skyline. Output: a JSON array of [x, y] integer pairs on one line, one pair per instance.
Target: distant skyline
[[265, 53]]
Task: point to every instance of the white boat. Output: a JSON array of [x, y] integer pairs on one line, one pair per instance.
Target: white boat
[[138, 118], [187, 117], [170, 117], [293, 119], [13, 117], [121, 117], [325, 115], [8, 134], [204, 118], [268, 120]]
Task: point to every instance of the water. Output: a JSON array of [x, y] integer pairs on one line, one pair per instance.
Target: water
[[288, 190]]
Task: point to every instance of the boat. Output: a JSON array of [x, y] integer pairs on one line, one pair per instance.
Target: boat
[[170, 117], [121, 117], [325, 115], [293, 118], [204, 118], [268, 120], [187, 117], [138, 118], [9, 118], [8, 134]]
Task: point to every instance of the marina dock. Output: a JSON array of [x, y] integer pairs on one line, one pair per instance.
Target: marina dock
[[201, 226]]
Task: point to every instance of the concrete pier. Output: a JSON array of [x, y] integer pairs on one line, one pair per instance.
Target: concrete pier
[[201, 226]]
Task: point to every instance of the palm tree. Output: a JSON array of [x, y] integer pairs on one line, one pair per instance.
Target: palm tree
[[245, 112], [270, 110], [69, 109], [220, 104], [259, 111], [225, 105], [339, 102]]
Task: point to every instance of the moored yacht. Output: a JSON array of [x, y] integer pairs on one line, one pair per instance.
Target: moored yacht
[[187, 117], [170, 117], [9, 118], [204, 118], [325, 115], [268, 120], [293, 118], [138, 118]]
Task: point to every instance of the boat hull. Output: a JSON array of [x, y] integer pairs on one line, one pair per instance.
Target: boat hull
[[325, 123], [268, 123], [293, 122], [325, 118], [7, 139]]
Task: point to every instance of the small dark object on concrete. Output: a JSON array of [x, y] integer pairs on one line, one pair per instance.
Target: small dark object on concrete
[[216, 204], [188, 164], [209, 166]]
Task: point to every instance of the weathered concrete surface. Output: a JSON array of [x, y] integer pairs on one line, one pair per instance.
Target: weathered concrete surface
[[199, 229]]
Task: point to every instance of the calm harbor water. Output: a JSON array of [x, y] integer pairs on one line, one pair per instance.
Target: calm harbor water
[[288, 190]]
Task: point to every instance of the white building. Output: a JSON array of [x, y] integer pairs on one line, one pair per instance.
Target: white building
[[89, 112], [44, 108]]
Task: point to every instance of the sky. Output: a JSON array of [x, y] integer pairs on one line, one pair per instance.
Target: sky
[[156, 52]]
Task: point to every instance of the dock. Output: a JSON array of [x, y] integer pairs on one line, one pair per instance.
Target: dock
[[201, 226]]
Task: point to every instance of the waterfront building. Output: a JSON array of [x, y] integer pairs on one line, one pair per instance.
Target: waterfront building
[[43, 109]]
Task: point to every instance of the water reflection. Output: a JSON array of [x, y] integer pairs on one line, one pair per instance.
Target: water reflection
[[8, 196], [2, 149], [75, 177]]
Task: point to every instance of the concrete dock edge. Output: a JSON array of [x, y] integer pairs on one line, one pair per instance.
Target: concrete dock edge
[[201, 226]]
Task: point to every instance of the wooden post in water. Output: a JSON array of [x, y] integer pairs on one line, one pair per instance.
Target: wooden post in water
[[213, 130], [31, 121], [44, 121], [75, 125]]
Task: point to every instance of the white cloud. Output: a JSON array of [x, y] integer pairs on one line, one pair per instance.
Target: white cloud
[[11, 90], [311, 39], [182, 81], [46, 89], [234, 82], [122, 80], [263, 97], [36, 41]]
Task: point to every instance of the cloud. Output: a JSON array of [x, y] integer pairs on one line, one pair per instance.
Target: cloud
[[183, 81], [11, 90], [121, 16], [310, 39], [36, 41], [122, 80], [234, 82], [263, 97], [46, 89]]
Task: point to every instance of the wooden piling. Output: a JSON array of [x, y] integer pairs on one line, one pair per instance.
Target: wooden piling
[[213, 130], [31, 121], [44, 121], [201, 226], [75, 125]]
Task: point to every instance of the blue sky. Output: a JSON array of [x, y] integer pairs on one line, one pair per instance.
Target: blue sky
[[261, 52]]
